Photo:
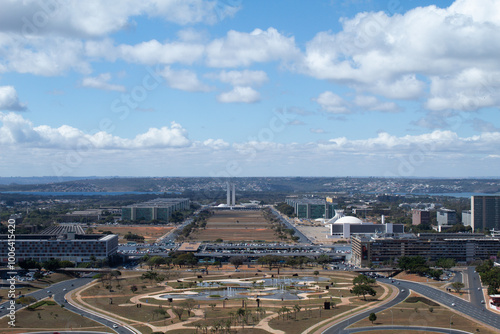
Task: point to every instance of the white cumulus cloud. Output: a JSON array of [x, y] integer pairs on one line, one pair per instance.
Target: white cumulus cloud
[[9, 99], [372, 103], [184, 80], [99, 17], [396, 56], [16, 130], [243, 49], [332, 103], [102, 82], [242, 78], [240, 94]]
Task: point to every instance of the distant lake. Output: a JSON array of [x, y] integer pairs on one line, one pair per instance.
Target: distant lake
[[83, 193]]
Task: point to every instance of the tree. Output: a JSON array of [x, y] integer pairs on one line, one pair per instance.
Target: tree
[[52, 264], [159, 311], [241, 314], [362, 279], [178, 311], [435, 273], [133, 288], [285, 209], [413, 264], [271, 261], [189, 304], [492, 279], [457, 286], [323, 259], [372, 317], [296, 308], [29, 264], [363, 290], [446, 263], [133, 237], [237, 261], [153, 276], [285, 310], [184, 259], [155, 261]]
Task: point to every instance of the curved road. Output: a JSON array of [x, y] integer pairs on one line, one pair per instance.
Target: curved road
[[90, 314], [340, 326], [474, 309], [405, 328], [58, 291]]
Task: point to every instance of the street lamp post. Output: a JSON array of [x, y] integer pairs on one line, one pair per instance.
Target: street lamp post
[[450, 321], [392, 315]]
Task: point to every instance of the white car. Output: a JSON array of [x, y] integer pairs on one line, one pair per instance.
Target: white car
[[115, 326], [453, 304]]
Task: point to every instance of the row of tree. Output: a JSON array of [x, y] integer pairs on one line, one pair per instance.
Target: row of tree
[[419, 265], [490, 275]]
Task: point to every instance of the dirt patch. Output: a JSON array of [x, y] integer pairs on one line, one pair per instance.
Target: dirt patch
[[413, 278], [149, 232]]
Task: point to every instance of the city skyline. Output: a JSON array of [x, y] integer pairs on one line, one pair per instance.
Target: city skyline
[[232, 88]]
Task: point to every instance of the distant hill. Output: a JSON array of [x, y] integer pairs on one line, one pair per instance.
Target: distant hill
[[286, 185], [16, 180]]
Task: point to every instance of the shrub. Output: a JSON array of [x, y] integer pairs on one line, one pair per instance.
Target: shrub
[[422, 300]]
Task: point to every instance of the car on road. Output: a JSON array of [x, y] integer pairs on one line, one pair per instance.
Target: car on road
[[453, 304], [48, 291], [64, 289], [482, 301], [115, 326], [402, 290], [478, 289]]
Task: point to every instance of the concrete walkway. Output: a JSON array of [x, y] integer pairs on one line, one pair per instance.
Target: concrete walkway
[[199, 314]]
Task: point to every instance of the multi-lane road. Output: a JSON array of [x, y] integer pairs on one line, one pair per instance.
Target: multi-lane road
[[340, 326], [474, 309], [58, 292]]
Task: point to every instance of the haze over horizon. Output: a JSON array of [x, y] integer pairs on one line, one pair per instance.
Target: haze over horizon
[[232, 88]]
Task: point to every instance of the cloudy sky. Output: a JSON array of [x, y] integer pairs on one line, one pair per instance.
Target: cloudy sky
[[250, 88]]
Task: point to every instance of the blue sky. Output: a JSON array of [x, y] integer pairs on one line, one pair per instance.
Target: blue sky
[[250, 88]]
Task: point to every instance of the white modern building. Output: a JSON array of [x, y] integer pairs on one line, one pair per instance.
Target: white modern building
[[344, 226], [231, 194]]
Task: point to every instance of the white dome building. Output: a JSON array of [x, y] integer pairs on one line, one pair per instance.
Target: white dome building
[[344, 226], [348, 220]]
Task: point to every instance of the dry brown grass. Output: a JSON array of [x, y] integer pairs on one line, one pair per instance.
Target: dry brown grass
[[49, 318], [236, 226], [418, 314]]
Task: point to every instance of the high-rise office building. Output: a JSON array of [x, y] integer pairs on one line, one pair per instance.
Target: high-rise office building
[[160, 209], [446, 217], [485, 213], [421, 217], [312, 208], [466, 217]]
